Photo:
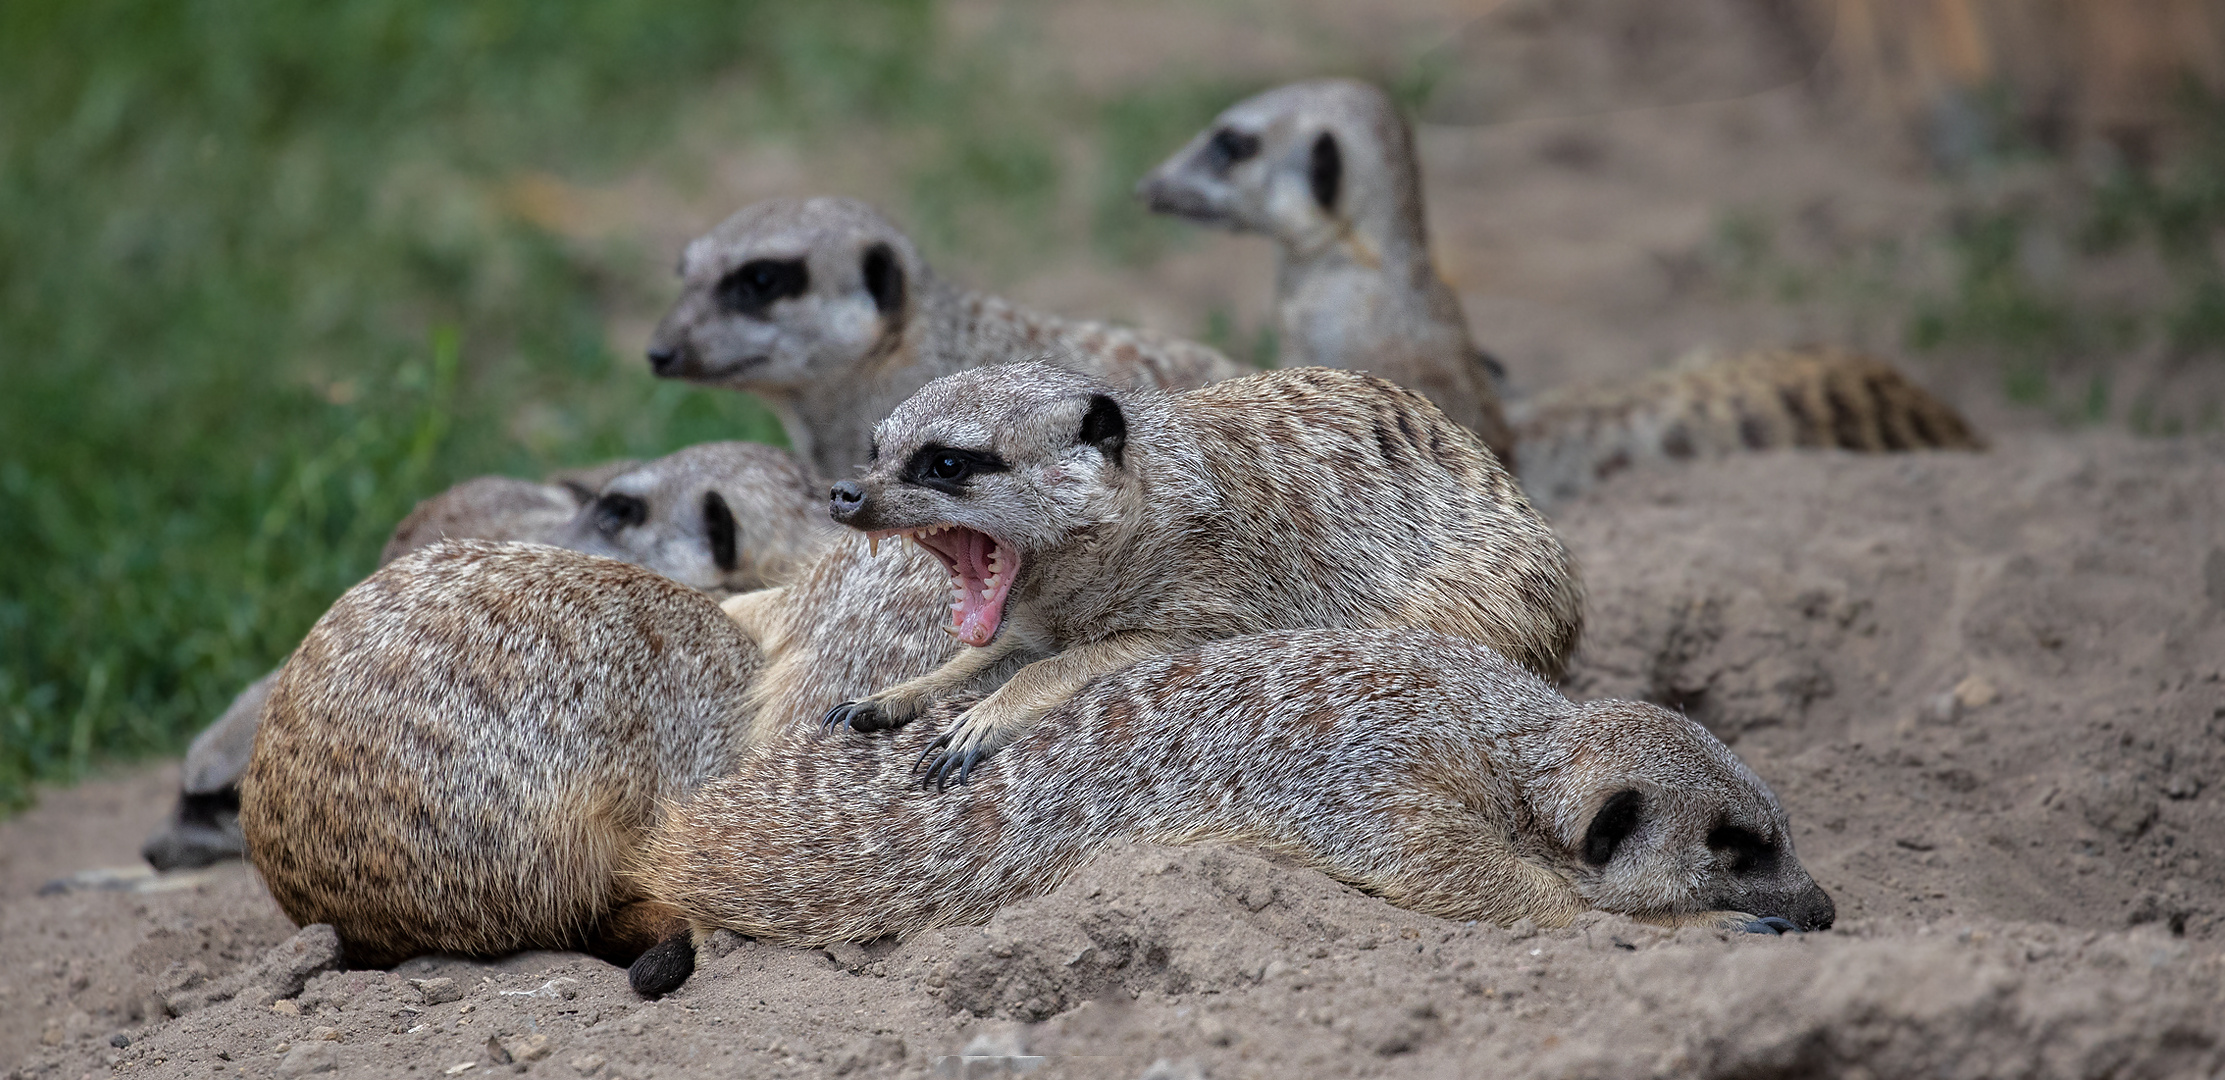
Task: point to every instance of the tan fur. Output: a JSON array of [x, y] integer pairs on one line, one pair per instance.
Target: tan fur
[[1290, 499], [1761, 400], [1355, 288], [486, 508], [1423, 768], [653, 514], [859, 322], [464, 753]]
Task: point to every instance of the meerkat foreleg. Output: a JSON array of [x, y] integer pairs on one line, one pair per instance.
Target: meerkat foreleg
[[996, 720], [1720, 920], [903, 703]]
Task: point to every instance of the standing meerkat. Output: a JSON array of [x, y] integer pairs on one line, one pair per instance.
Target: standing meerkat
[[825, 310], [720, 517], [1327, 169], [1425, 769], [1085, 527], [465, 752]]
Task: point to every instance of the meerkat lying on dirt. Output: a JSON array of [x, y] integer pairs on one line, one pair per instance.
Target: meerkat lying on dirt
[[825, 310], [463, 754], [1085, 527], [721, 517], [1327, 169], [1426, 769]]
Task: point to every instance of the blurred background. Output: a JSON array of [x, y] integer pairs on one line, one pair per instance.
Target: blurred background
[[270, 272]]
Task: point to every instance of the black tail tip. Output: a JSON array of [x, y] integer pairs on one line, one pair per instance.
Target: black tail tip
[[664, 967]]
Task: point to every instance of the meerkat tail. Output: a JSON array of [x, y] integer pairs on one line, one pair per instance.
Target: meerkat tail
[[1762, 400]]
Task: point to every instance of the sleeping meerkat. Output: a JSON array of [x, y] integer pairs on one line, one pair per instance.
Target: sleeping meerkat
[[825, 310], [1425, 769], [1327, 169], [1085, 527]]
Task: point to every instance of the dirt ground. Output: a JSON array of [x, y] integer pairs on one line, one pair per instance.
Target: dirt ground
[[1989, 688]]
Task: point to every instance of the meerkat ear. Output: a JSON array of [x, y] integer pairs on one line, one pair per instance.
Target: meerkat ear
[[1612, 825], [884, 279], [1105, 428], [718, 524], [1325, 171]]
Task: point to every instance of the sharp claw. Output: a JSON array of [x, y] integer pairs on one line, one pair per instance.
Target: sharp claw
[[965, 770], [1771, 925], [835, 717]]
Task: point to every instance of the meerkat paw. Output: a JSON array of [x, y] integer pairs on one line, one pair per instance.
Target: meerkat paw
[[967, 743], [880, 712]]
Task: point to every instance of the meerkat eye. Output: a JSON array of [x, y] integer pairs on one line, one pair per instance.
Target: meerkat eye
[[1746, 848], [617, 510], [948, 469], [1325, 172], [1229, 147], [1617, 819], [758, 283]]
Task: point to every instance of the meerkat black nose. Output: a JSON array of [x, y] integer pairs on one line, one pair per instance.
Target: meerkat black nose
[[845, 500], [663, 358]]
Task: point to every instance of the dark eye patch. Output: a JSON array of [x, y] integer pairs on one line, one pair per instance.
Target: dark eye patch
[[1228, 147], [1325, 172], [947, 468], [718, 524], [753, 287], [1747, 849], [616, 510], [884, 280], [1617, 819]]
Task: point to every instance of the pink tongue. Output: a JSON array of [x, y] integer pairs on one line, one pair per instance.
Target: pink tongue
[[980, 608]]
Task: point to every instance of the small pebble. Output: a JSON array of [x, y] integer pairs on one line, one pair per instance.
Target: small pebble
[[119, 1040], [286, 1007], [325, 1034], [587, 1065]]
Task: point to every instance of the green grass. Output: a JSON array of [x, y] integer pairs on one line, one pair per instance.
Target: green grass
[[263, 284], [259, 292]]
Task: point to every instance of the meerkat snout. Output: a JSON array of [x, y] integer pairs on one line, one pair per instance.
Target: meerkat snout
[[1678, 823], [845, 500]]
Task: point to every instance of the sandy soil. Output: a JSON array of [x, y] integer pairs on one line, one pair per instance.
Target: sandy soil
[[1989, 688]]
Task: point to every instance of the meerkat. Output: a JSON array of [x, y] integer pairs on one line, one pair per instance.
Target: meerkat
[[464, 753], [1423, 768], [1327, 169], [720, 517], [824, 309], [1085, 526]]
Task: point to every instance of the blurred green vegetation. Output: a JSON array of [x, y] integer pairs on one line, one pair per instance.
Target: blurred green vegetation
[[266, 280]]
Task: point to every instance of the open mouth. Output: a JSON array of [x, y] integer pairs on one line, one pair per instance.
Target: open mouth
[[981, 571]]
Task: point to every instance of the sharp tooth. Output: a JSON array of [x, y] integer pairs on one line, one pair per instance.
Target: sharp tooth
[[991, 583], [956, 604], [873, 544], [951, 630]]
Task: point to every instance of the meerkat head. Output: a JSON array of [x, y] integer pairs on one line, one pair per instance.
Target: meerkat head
[[786, 293], [727, 516], [1657, 816], [1309, 164], [992, 469]]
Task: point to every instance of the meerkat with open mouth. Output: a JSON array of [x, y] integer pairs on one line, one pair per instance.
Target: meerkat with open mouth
[[1085, 527]]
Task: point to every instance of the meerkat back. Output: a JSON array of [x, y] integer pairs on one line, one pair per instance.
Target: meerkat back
[[1356, 288], [464, 752]]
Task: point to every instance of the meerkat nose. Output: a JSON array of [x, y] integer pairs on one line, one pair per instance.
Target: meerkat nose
[[662, 358], [845, 499]]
